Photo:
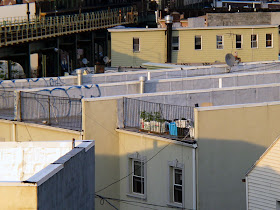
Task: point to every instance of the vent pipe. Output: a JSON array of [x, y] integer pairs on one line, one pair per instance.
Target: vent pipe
[[79, 73], [169, 22], [142, 84]]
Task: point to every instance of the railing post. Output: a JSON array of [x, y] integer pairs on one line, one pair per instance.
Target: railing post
[[17, 106]]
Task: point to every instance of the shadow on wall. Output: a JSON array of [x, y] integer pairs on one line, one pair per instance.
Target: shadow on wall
[[138, 58], [222, 164]]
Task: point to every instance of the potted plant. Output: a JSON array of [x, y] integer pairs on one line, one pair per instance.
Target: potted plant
[[159, 123], [143, 118], [148, 122]]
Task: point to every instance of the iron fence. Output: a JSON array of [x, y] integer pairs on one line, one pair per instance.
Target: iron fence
[[158, 118], [7, 104], [51, 110]]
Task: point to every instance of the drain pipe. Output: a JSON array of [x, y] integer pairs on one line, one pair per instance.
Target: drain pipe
[[142, 84], [169, 22], [79, 73]]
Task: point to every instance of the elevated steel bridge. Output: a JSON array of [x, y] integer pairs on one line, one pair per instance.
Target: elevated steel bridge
[[19, 30]]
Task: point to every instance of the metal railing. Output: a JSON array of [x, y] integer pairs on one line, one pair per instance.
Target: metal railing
[[156, 117], [14, 31], [56, 111]]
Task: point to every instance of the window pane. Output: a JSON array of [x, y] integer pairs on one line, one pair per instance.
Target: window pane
[[268, 36], [136, 45], [197, 42], [268, 40], [253, 37], [219, 42], [254, 43], [178, 194], [238, 38], [138, 185], [219, 38], [178, 176], [175, 43], [138, 168]]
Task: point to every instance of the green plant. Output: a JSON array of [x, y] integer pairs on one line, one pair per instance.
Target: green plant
[[150, 117], [143, 115], [158, 117]]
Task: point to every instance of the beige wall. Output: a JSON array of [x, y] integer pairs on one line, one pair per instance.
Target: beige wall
[[19, 131], [157, 168], [18, 197], [230, 139], [153, 45], [99, 123]]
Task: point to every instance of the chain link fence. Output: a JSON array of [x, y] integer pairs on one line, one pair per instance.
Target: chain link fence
[[7, 99], [56, 111]]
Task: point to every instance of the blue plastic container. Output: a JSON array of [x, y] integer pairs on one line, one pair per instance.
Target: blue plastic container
[[172, 129]]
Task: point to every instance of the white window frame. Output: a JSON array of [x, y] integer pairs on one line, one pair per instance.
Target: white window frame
[[172, 165], [175, 44], [254, 41], [135, 51], [241, 42], [200, 41], [219, 44], [131, 159], [269, 40]]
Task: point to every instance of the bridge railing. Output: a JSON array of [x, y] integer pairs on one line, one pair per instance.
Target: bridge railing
[[14, 31]]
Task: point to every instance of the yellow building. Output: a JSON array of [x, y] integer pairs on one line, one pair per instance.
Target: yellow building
[[135, 46]]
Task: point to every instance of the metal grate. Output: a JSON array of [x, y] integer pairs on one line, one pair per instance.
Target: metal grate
[[7, 104], [133, 108], [52, 110]]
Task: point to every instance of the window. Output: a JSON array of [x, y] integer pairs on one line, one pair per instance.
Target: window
[[238, 41], [137, 179], [136, 45], [176, 184], [175, 43], [197, 43], [268, 42], [220, 44], [254, 41]]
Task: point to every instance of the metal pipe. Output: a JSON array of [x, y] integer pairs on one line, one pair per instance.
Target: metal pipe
[[80, 76], [169, 22], [142, 84]]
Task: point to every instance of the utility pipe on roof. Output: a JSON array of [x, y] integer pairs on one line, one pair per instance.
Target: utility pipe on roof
[[169, 22], [80, 76], [142, 84]]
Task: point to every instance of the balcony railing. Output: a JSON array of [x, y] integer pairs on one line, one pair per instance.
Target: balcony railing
[[173, 121]]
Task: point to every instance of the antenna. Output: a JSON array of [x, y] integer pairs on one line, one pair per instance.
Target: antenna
[[106, 60], [230, 59]]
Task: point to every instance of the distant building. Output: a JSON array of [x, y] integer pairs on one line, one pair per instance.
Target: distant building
[[262, 181], [135, 46], [47, 175]]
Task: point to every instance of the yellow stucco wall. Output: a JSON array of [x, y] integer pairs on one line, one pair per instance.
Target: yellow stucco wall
[[99, 123], [230, 140], [157, 168], [18, 131], [18, 197], [153, 46]]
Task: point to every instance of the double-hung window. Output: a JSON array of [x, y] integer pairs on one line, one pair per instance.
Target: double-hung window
[[175, 43], [176, 184], [268, 38], [254, 41], [136, 44], [238, 42], [219, 42], [197, 42], [138, 178]]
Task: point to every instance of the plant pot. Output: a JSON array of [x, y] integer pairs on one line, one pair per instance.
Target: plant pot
[[160, 127], [147, 126], [142, 124], [153, 126]]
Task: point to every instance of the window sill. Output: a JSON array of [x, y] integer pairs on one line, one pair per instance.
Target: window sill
[[175, 205], [269, 47], [136, 51], [138, 196]]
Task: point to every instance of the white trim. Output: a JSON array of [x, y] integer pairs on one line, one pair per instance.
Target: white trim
[[194, 178], [271, 40], [87, 144], [240, 41], [200, 42], [257, 41], [138, 45], [16, 183], [219, 41]]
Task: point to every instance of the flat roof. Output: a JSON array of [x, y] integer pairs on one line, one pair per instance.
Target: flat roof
[[191, 28]]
